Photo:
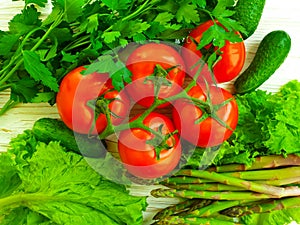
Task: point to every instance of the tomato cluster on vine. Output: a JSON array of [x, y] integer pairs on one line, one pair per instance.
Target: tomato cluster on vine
[[149, 143]]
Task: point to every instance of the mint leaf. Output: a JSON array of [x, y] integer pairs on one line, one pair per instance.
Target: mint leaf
[[38, 71]]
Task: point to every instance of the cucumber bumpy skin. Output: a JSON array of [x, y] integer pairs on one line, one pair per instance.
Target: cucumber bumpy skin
[[271, 53], [248, 13]]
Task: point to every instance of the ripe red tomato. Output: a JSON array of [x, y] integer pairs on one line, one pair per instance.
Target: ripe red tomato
[[207, 132], [142, 63], [140, 157], [77, 90], [227, 68]]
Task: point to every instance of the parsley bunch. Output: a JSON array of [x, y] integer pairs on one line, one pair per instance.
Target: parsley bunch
[[36, 54]]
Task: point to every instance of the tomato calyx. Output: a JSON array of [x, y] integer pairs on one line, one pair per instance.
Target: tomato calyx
[[210, 110], [159, 78], [160, 142]]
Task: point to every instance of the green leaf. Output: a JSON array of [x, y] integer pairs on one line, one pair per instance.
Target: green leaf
[[187, 12], [7, 42], [117, 4], [23, 90], [65, 189], [221, 8], [26, 21], [72, 8], [43, 97], [68, 57], [38, 71], [200, 3], [164, 18], [9, 178], [104, 64], [93, 23], [111, 36], [120, 76]]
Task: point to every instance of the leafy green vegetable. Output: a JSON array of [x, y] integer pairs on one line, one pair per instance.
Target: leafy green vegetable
[[268, 125], [44, 184], [78, 32], [277, 217]]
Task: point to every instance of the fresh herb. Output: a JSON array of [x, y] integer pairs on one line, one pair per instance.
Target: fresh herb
[[36, 54], [43, 184]]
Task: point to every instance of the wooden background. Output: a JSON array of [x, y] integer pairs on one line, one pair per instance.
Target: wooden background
[[278, 15]]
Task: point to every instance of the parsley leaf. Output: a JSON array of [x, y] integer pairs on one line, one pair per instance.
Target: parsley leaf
[[7, 42], [117, 4], [26, 21], [111, 36], [72, 8], [187, 12], [38, 70]]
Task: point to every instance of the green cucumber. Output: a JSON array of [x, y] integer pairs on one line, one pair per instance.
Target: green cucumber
[[248, 13], [48, 129], [271, 53]]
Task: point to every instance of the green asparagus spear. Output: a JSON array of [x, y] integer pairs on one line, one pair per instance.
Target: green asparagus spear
[[268, 174], [160, 192], [262, 162], [193, 221], [185, 180], [177, 208], [205, 187], [275, 192], [272, 205]]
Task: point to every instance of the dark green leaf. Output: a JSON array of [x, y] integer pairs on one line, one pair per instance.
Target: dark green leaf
[[93, 23], [200, 3], [68, 57], [187, 12], [38, 71], [164, 18], [72, 8], [26, 21], [117, 4], [7, 42], [24, 90], [43, 97]]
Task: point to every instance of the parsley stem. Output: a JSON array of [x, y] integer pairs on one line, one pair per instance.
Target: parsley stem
[[8, 105], [4, 87]]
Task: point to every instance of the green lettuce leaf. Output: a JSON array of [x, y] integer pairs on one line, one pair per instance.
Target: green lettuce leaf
[[268, 125], [59, 187], [278, 217]]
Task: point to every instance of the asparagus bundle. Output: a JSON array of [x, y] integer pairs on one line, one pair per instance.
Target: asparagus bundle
[[225, 194]]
